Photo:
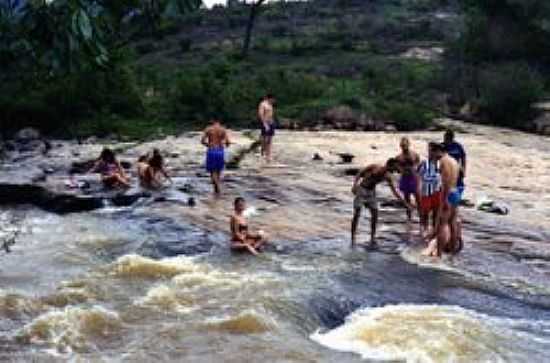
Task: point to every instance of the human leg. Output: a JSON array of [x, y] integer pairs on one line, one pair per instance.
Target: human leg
[[355, 223], [373, 224]]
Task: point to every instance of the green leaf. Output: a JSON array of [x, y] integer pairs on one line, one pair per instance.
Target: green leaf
[[173, 8], [85, 25], [75, 27]]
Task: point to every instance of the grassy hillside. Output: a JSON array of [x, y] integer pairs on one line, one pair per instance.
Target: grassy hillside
[[378, 57]]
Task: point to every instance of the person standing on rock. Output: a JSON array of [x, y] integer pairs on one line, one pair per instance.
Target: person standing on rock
[[216, 139], [447, 233], [456, 151], [430, 189], [364, 189], [408, 166], [266, 116]]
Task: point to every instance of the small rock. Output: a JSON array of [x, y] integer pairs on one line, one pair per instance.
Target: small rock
[[317, 157], [390, 128], [347, 158], [351, 171], [91, 140]]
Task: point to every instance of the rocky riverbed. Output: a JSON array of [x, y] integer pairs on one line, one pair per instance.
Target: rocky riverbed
[[141, 275]]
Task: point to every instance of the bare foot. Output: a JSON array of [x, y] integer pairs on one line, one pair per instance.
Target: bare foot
[[431, 250]]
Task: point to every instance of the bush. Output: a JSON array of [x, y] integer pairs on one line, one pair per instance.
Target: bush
[[185, 44], [232, 92], [145, 48], [53, 106], [507, 93], [408, 116]]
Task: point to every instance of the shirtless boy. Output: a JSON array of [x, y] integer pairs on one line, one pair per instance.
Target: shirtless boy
[[266, 116], [447, 234], [364, 189], [215, 138], [408, 165]]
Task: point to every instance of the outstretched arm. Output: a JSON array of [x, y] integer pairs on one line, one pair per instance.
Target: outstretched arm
[[120, 169], [393, 189], [204, 138], [166, 175], [226, 140], [358, 178]]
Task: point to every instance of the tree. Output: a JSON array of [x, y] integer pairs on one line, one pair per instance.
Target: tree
[[254, 9], [507, 29], [50, 37]]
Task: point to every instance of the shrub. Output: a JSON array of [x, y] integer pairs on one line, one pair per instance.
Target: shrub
[[507, 93], [145, 48], [55, 105], [233, 92], [185, 44], [408, 116]]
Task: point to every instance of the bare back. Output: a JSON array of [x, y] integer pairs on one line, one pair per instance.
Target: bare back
[[215, 136], [373, 175], [449, 172]]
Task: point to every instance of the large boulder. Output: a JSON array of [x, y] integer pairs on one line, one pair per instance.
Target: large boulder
[[27, 135], [340, 117], [541, 125]]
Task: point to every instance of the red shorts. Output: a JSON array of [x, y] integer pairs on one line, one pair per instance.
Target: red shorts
[[430, 203]]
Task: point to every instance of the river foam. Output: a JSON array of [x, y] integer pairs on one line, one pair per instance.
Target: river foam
[[426, 333], [136, 266], [70, 329]]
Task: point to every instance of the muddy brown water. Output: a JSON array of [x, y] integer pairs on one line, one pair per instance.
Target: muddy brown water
[[155, 281]]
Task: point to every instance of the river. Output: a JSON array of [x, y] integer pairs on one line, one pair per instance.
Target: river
[[155, 281]]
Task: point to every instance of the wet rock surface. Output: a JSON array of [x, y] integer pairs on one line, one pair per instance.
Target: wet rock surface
[[153, 278]]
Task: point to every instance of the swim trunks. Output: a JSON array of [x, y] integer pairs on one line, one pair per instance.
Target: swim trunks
[[215, 160], [365, 198], [407, 184], [270, 131], [455, 197], [430, 203]]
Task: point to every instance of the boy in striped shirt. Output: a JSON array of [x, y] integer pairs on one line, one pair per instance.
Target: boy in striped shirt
[[429, 190]]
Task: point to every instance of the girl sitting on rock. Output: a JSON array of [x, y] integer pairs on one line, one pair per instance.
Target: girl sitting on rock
[[242, 239], [112, 173], [151, 170]]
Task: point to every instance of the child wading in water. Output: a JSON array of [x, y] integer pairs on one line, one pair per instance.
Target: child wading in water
[[242, 239], [112, 173]]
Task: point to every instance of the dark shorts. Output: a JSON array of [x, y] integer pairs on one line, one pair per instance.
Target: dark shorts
[[215, 159], [270, 130], [407, 184]]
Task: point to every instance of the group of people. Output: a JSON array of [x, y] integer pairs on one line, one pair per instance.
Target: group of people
[[150, 170], [436, 185]]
